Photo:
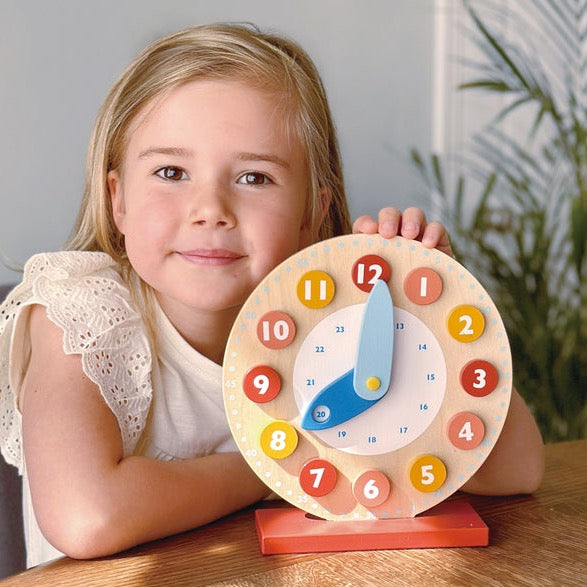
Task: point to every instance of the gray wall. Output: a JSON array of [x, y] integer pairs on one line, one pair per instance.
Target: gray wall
[[59, 57]]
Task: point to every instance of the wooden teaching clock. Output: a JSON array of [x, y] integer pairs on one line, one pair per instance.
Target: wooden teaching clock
[[367, 378]]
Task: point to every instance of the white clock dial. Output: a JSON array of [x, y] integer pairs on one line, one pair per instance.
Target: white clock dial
[[416, 391]]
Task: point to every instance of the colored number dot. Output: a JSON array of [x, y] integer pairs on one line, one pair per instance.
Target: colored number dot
[[276, 330], [479, 378], [423, 286], [427, 473], [371, 488], [466, 323], [317, 477], [466, 430], [279, 439], [261, 384], [368, 270], [315, 289]]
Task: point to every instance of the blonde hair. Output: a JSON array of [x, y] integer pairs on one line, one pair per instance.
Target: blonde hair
[[223, 51]]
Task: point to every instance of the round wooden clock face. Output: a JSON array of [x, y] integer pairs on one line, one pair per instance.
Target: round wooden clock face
[[367, 377]]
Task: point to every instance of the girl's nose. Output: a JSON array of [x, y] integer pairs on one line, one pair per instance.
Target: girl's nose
[[210, 207]]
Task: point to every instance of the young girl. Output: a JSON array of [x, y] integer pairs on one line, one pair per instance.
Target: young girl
[[213, 158]]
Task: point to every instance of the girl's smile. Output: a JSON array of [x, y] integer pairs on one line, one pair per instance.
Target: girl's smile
[[211, 256]]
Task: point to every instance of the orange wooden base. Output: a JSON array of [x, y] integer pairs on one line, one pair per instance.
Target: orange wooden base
[[290, 530]]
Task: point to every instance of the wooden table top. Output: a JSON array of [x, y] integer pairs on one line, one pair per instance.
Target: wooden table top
[[534, 540]]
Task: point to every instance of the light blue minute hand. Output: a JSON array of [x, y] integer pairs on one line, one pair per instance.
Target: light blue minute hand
[[358, 389], [375, 351]]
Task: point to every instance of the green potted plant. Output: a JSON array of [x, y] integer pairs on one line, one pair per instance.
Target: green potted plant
[[517, 210]]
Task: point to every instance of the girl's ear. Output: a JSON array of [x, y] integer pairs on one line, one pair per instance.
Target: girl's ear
[[116, 199]]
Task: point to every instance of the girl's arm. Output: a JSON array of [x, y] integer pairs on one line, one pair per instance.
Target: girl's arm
[[516, 463], [91, 501]]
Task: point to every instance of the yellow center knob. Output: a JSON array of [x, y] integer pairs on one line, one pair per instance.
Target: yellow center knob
[[373, 383]]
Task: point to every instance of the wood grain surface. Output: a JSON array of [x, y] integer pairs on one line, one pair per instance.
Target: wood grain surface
[[534, 540], [430, 379]]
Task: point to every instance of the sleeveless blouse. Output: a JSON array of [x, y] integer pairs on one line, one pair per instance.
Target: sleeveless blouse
[[168, 406]]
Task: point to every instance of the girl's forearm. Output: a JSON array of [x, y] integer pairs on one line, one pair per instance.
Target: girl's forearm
[[516, 463], [142, 499]]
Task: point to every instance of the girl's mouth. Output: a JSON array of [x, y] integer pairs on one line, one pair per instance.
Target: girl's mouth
[[210, 256]]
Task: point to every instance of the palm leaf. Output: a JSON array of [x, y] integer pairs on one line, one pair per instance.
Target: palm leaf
[[518, 212]]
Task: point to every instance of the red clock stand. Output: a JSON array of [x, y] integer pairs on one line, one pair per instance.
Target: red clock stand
[[290, 530]]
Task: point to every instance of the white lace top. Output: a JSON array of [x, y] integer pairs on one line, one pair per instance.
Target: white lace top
[[168, 407]]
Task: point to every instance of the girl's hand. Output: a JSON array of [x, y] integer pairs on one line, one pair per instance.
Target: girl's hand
[[411, 224]]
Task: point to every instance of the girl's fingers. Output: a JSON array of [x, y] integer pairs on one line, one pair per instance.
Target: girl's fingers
[[413, 223], [435, 236], [365, 224], [389, 222]]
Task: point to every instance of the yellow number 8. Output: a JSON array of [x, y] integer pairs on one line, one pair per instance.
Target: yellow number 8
[[278, 439]]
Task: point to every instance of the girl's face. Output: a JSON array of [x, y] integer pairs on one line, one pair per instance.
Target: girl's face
[[211, 195]]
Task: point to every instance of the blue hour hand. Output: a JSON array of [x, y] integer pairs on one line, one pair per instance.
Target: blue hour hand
[[335, 404]]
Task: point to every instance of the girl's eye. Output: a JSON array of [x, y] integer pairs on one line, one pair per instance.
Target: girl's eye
[[171, 173], [253, 178]]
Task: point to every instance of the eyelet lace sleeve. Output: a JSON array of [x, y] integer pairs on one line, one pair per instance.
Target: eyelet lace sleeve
[[85, 296]]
